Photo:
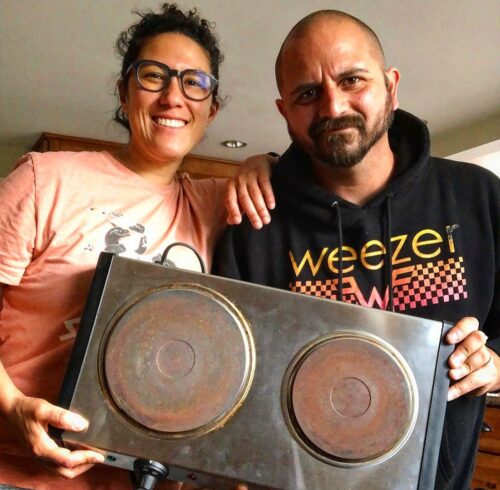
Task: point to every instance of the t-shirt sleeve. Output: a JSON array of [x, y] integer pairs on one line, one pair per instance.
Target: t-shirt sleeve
[[215, 192], [17, 221], [210, 194]]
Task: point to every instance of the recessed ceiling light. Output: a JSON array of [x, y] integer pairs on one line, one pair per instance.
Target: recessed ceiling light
[[234, 143]]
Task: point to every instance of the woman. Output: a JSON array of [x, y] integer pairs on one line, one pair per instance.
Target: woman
[[59, 210]]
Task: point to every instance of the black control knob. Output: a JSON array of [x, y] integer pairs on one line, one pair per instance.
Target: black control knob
[[148, 473]]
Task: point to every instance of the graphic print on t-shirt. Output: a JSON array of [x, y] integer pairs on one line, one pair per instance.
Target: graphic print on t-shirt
[[122, 236], [417, 283]]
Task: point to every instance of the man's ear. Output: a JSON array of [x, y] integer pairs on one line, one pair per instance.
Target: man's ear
[[392, 77], [281, 107]]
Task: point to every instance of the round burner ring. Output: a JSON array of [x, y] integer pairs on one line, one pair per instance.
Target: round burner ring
[[177, 361], [350, 399]]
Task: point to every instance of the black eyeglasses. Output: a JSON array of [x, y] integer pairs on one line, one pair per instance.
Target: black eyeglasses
[[154, 76]]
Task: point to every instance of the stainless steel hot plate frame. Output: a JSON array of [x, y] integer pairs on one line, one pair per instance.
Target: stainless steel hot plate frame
[[263, 435]]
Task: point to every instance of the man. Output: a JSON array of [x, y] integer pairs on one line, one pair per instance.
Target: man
[[365, 215]]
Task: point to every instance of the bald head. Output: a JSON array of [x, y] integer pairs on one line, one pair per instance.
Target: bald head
[[335, 18]]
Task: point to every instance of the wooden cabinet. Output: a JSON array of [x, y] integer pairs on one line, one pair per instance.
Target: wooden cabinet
[[196, 166], [487, 473]]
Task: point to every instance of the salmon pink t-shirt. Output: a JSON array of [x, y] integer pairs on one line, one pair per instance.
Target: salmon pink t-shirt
[[58, 211]]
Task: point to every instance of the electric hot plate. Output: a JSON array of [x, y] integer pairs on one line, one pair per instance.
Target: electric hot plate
[[225, 382], [160, 360]]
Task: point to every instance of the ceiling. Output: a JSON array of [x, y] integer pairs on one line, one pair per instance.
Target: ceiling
[[58, 66]]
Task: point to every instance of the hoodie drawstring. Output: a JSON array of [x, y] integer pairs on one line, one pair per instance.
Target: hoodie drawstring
[[387, 240], [340, 296]]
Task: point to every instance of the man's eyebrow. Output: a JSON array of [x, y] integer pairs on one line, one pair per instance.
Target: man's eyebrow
[[351, 72]]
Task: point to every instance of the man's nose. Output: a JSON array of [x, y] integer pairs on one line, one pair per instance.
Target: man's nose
[[334, 102]]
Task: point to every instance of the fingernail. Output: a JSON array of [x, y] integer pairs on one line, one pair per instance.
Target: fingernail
[[78, 423], [271, 205], [452, 394], [266, 220], [452, 337], [458, 373], [258, 224]]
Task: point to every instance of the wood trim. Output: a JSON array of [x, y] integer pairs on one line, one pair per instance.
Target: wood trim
[[62, 142], [489, 442], [487, 472], [196, 165]]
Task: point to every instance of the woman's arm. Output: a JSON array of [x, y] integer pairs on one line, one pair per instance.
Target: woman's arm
[[29, 418]]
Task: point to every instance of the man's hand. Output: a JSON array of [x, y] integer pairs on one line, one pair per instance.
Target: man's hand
[[29, 419], [474, 368], [250, 192]]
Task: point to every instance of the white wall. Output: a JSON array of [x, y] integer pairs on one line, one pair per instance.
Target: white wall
[[8, 156], [487, 156]]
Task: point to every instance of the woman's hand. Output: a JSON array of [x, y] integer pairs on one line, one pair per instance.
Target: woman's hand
[[29, 419], [250, 192]]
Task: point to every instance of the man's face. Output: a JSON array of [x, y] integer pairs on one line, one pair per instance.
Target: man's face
[[336, 98]]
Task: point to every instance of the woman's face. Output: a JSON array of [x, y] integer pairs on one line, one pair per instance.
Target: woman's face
[[165, 125]]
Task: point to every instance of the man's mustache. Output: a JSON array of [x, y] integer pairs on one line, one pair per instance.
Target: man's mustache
[[328, 124]]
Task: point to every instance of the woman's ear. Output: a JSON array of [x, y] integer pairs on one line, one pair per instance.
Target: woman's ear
[[214, 109], [122, 94]]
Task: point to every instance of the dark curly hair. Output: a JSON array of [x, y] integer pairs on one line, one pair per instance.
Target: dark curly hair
[[169, 19]]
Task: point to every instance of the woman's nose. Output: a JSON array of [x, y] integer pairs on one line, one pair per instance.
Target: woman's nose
[[172, 93]]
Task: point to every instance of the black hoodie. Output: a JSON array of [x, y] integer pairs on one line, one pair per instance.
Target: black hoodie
[[437, 219]]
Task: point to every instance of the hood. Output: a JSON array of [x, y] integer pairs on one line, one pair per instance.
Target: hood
[[312, 204], [408, 138]]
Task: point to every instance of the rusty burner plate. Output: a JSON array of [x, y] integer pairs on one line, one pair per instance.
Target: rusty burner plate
[[350, 399], [178, 361]]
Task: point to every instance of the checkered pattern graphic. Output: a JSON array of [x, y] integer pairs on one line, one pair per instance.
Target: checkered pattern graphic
[[432, 283], [429, 283], [323, 289]]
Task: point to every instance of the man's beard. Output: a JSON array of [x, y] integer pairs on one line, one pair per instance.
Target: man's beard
[[346, 149]]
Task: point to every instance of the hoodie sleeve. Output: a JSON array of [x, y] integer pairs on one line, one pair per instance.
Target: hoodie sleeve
[[226, 261], [243, 254], [492, 324]]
